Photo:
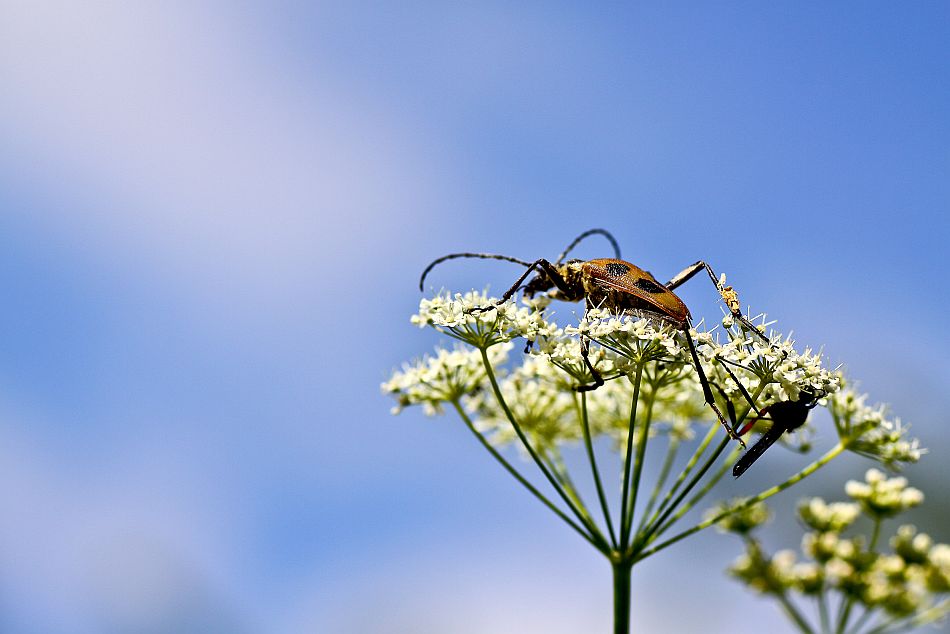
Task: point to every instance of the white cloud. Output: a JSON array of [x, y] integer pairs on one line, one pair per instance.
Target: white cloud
[[176, 135]]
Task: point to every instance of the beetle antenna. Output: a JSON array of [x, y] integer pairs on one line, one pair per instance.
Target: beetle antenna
[[484, 256], [590, 232]]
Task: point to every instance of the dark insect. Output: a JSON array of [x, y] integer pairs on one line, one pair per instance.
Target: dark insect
[[785, 416], [621, 287]]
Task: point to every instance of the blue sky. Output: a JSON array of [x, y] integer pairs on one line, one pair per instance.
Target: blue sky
[[213, 219]]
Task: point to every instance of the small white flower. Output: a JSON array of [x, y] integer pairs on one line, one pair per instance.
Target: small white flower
[[544, 410], [937, 570], [880, 496], [464, 317], [782, 568], [445, 377], [868, 431], [838, 570], [741, 521], [823, 517], [809, 578], [912, 546]]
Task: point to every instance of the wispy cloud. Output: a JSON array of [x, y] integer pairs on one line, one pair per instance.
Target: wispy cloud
[[185, 142]]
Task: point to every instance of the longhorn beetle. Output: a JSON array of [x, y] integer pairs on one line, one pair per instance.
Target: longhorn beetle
[[620, 286]]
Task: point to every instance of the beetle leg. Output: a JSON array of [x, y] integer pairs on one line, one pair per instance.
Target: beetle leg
[[707, 392], [730, 409], [735, 379], [542, 266], [598, 378], [728, 294]]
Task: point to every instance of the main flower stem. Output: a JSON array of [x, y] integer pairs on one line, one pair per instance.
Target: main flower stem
[[823, 614], [621, 570]]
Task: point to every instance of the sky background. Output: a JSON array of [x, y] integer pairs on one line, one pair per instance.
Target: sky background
[[213, 217]]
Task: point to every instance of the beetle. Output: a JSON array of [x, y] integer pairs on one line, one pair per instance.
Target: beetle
[[785, 416], [620, 286]]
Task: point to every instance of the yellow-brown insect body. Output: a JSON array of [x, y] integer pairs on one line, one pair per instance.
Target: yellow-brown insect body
[[618, 286], [622, 286]]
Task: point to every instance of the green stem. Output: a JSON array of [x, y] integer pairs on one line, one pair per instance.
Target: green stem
[[589, 444], [875, 534], [849, 603], [661, 525], [862, 620], [627, 462], [655, 529], [671, 452], [621, 576], [701, 493], [594, 531], [514, 472], [930, 615], [559, 470], [794, 614], [638, 463], [691, 463], [823, 613], [767, 493], [656, 524], [893, 626]]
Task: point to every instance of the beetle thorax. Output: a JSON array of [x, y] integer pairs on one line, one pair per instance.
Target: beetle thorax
[[573, 274]]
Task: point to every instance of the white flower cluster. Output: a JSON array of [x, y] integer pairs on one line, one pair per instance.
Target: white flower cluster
[[483, 321], [880, 496], [743, 520], [564, 352], [831, 549], [540, 386], [869, 432], [823, 517], [639, 340], [534, 392], [769, 575], [912, 582], [775, 369], [446, 377], [783, 372]]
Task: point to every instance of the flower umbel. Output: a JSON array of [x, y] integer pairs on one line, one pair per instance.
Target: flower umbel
[[894, 591], [880, 496], [445, 377], [652, 396], [483, 321], [868, 431]]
